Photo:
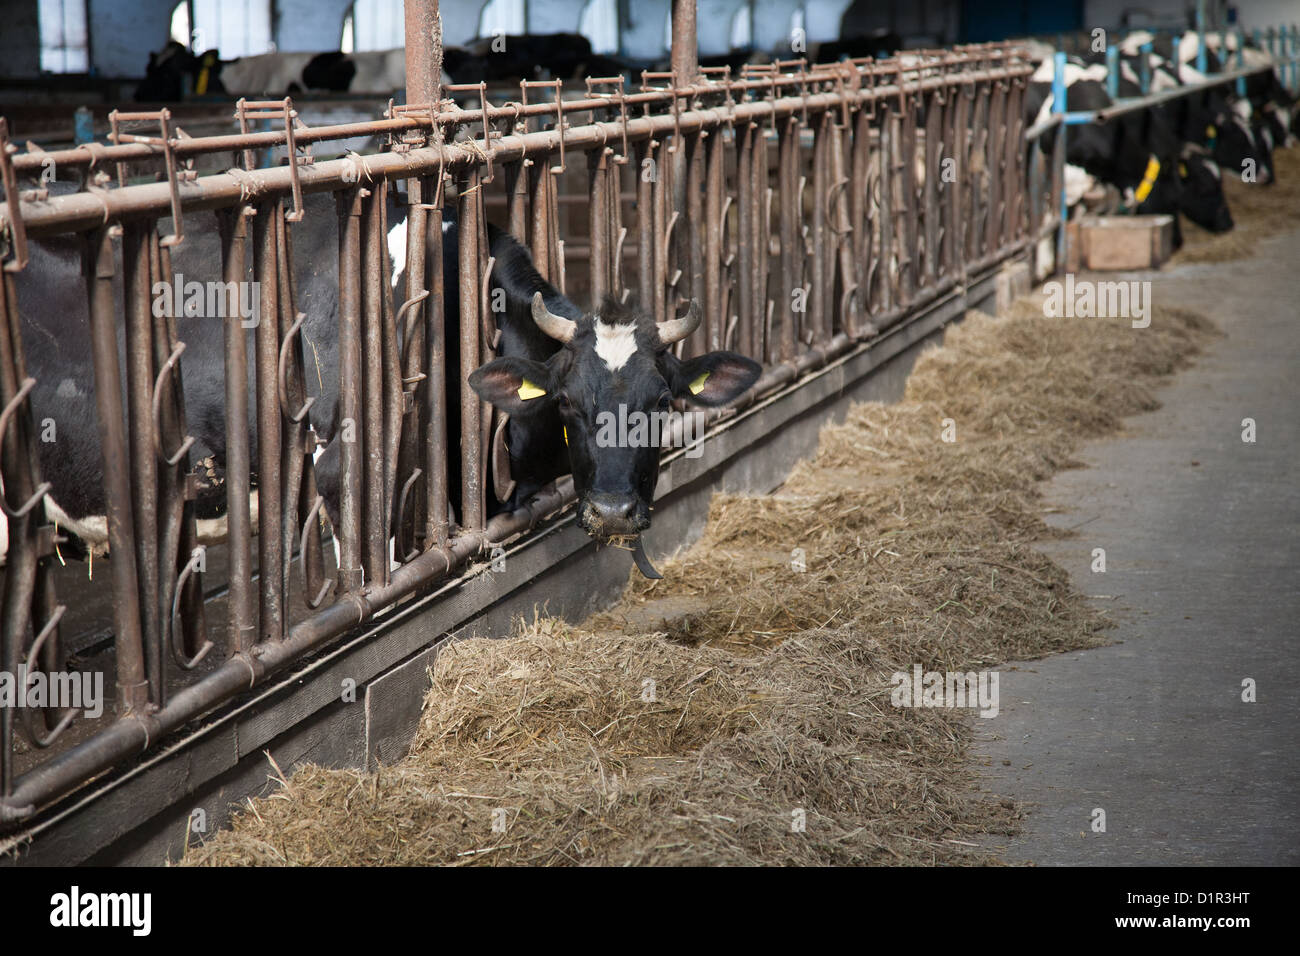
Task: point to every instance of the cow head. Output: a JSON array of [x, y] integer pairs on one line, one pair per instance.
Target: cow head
[[1201, 197], [615, 365]]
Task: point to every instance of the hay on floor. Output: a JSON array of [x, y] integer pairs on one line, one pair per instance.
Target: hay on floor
[[770, 693]]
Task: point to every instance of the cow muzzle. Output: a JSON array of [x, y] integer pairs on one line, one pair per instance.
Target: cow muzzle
[[608, 516]]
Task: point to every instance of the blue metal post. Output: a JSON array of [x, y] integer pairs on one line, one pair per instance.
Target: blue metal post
[[1241, 62], [1058, 106], [1178, 66], [1112, 71], [1201, 61], [1144, 68]]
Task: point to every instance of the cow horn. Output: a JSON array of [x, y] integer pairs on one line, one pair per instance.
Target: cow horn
[[556, 326], [674, 330]]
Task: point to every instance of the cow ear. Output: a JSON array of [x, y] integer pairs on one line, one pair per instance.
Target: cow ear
[[714, 378], [514, 385]]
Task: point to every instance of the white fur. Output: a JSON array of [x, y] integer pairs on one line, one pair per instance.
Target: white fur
[[397, 250], [615, 344]]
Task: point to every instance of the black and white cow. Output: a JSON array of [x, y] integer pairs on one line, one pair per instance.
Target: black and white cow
[[174, 71], [560, 369], [1138, 152], [576, 366]]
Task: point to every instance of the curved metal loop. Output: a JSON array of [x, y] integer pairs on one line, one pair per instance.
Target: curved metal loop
[[5, 417], [409, 304], [190, 567], [43, 740], [163, 373], [282, 386], [830, 209], [312, 604], [401, 509]]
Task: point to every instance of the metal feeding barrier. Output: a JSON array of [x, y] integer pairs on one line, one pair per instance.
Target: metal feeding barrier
[[808, 208]]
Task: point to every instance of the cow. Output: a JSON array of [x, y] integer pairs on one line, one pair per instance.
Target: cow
[[53, 310], [512, 57], [1138, 152], [560, 369], [557, 370], [174, 69]]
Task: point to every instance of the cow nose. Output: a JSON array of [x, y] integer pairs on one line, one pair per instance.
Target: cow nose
[[612, 508], [606, 515]]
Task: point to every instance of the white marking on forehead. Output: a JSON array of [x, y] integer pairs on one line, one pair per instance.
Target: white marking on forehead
[[615, 343]]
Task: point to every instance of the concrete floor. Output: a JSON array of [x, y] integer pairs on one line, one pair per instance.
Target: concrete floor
[[1202, 540]]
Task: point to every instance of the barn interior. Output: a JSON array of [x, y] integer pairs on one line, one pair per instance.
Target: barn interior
[[782, 113]]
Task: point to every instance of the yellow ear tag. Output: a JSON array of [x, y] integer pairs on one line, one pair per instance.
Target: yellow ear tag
[[1182, 170], [697, 386], [1149, 180], [1211, 132], [565, 429], [529, 390]]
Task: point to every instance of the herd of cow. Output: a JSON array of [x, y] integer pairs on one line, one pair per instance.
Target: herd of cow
[[1169, 158], [558, 366]]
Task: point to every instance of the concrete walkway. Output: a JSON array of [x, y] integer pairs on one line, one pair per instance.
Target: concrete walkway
[[1202, 539]]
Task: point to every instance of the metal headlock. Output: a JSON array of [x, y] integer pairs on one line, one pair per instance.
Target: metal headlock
[[740, 191]]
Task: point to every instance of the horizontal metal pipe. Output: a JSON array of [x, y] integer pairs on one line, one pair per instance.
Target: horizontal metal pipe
[[83, 211], [414, 119]]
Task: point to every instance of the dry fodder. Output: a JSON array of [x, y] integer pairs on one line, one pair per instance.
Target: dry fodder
[[1258, 212], [767, 694]]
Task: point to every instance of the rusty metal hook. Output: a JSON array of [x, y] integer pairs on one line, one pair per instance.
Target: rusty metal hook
[[188, 442], [312, 604], [196, 556], [5, 417], [282, 370], [40, 740]]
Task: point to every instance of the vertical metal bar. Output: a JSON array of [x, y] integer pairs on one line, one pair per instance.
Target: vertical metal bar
[[761, 194], [374, 552], [791, 215], [132, 685], [471, 409], [645, 246], [1058, 153], [266, 361], [746, 308], [823, 285], [694, 240], [144, 466], [241, 621], [715, 161], [22, 559], [598, 222], [436, 394], [348, 435], [423, 51]]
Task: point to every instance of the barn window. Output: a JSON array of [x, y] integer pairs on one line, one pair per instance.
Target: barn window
[[599, 24], [502, 16], [373, 25], [232, 27], [742, 28], [65, 46]]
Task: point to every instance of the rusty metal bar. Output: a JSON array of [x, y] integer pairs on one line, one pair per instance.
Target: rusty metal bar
[[132, 683], [241, 621]]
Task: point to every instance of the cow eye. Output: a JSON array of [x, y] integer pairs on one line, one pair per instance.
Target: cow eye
[[665, 401], [563, 401]]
